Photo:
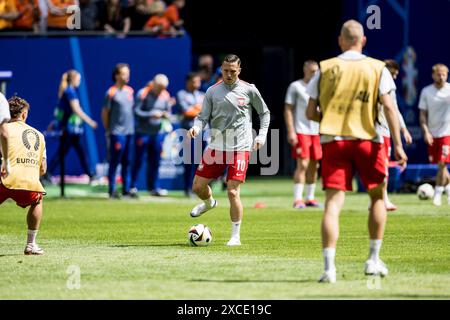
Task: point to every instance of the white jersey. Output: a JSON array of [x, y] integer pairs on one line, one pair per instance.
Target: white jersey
[[4, 109], [296, 96], [386, 85], [437, 103]]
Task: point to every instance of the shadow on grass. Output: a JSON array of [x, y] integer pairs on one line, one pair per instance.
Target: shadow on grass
[[254, 281], [177, 244], [12, 255]]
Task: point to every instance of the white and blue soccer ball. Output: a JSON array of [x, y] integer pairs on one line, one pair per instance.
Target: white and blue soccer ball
[[199, 235], [425, 191]]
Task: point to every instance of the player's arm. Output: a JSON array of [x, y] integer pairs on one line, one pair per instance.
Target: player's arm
[[403, 128], [289, 120], [313, 111], [106, 111], [423, 118], [392, 119], [4, 170], [202, 119], [264, 119], [43, 168], [76, 108]]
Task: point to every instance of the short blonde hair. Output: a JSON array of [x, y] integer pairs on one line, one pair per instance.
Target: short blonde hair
[[439, 66], [161, 79], [352, 31]]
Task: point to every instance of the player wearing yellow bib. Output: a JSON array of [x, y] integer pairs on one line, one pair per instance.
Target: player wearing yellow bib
[[27, 161], [344, 98]]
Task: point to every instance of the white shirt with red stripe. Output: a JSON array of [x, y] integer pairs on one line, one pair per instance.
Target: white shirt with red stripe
[[297, 96], [437, 103]]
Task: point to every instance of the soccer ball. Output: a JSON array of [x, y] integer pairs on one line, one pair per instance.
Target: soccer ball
[[425, 191], [199, 235]]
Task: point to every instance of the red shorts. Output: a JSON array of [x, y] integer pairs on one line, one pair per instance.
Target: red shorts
[[22, 198], [439, 151], [342, 158], [387, 147], [215, 162], [307, 147]]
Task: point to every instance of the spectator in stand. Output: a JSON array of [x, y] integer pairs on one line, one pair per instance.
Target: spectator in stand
[[139, 12], [8, 13], [113, 17], [158, 24], [89, 12], [29, 16], [57, 14], [173, 13]]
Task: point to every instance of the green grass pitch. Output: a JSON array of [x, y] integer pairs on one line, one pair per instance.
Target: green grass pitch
[[139, 249]]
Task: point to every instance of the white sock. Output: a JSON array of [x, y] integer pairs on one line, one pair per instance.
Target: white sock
[[298, 191], [31, 239], [209, 202], [386, 198], [310, 189], [328, 255], [447, 189], [375, 247], [438, 191], [236, 229]]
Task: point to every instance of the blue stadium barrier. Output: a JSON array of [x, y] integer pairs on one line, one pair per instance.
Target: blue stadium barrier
[[38, 63]]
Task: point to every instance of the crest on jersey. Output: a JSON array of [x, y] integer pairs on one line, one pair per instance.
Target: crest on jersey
[[241, 101], [31, 139]]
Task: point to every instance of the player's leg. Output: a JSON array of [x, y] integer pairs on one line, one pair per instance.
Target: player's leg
[[115, 154], [76, 142], [376, 224], [140, 150], [441, 178], [337, 173], [299, 152], [154, 159], [387, 147], [315, 154], [447, 182], [334, 200], [311, 179], [236, 211], [370, 163], [33, 221], [201, 188], [299, 182], [125, 162]]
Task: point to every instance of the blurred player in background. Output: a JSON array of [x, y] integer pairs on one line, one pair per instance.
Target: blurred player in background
[[227, 108], [4, 118], [70, 117], [190, 103], [118, 120], [347, 89], [153, 105], [434, 105], [383, 128], [27, 158], [303, 136]]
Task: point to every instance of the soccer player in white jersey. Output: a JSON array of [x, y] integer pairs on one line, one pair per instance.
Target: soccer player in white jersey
[[303, 136], [227, 108], [383, 128], [434, 105], [4, 118]]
